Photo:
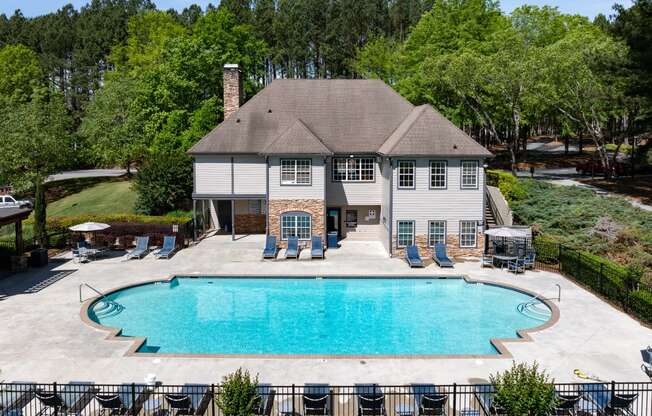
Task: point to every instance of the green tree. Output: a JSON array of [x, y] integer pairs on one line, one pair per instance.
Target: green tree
[[523, 390], [113, 125], [36, 142], [378, 59], [20, 72]]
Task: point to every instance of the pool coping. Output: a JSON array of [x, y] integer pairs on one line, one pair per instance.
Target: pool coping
[[114, 334]]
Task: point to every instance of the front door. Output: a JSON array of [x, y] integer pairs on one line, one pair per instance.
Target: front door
[[333, 220]]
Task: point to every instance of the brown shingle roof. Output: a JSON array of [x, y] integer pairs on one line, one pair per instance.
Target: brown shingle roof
[[426, 132], [297, 140], [343, 116]]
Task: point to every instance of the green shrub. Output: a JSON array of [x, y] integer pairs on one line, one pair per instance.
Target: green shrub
[[624, 149], [238, 395], [63, 223], [509, 185], [164, 182], [640, 303], [524, 390]]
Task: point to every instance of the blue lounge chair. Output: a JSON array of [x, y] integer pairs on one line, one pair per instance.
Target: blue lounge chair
[[271, 248], [120, 400], [601, 397], [428, 401], [412, 256], [371, 400], [142, 247], [440, 257], [316, 400], [193, 399], [293, 249], [317, 250], [169, 247]]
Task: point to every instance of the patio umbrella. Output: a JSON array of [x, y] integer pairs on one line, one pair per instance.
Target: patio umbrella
[[89, 227], [507, 232]]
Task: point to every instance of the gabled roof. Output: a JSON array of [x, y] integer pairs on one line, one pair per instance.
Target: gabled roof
[[426, 132], [297, 140], [335, 117]]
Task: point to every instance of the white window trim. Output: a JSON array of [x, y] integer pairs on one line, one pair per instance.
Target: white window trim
[[475, 235], [414, 174], [432, 243], [296, 175], [296, 227], [346, 169], [477, 174], [398, 239], [432, 162]]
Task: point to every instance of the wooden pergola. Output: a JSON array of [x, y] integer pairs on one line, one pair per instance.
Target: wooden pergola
[[15, 216]]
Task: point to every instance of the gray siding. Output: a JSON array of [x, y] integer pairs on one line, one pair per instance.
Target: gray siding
[[212, 174], [249, 175], [353, 193], [451, 204], [313, 191]]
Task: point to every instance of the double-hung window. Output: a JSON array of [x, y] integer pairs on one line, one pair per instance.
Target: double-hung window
[[436, 232], [405, 233], [406, 174], [438, 174], [295, 224], [354, 169], [469, 174], [295, 171], [468, 233]]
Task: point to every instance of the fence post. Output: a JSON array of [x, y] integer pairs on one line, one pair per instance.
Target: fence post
[[54, 392], [454, 399], [292, 394], [133, 399], [613, 388], [213, 397]]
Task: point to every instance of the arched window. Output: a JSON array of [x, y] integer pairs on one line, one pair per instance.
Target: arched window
[[296, 224]]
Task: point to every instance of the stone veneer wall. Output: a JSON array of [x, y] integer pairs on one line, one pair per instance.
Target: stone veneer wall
[[250, 224], [232, 90], [452, 246], [314, 207]]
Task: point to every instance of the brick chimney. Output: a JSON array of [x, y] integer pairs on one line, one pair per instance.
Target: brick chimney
[[232, 89]]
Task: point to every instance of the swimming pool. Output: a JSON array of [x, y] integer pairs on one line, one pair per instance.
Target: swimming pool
[[317, 316]]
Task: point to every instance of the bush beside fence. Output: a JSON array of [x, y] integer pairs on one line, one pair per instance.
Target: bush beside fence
[[602, 276]]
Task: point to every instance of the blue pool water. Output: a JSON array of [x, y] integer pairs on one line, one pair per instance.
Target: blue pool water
[[317, 316]]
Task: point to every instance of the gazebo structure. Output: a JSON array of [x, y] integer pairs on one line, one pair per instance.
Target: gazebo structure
[[15, 216]]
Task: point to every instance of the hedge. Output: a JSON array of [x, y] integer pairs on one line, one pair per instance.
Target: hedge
[[640, 303], [63, 223], [509, 185]]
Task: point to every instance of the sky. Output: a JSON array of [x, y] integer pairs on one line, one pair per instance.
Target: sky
[[589, 8]]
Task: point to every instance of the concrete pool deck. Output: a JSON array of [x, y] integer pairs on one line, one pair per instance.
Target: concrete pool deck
[[44, 339]]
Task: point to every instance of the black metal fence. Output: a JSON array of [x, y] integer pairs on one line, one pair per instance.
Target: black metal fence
[[28, 399], [602, 276]]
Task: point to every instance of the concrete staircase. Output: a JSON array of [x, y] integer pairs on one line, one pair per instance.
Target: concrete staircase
[[364, 232]]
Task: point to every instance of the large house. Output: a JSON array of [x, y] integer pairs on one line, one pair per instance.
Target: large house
[[307, 157]]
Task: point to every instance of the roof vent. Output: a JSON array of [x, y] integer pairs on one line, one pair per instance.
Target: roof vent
[[454, 146], [269, 111], [237, 120]]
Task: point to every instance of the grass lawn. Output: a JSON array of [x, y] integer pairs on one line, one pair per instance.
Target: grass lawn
[[104, 198]]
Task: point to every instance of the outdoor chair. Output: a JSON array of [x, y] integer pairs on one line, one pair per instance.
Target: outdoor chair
[[440, 257], [71, 400], [606, 402], [120, 401], [15, 396], [646, 355], [567, 404], [169, 247], [484, 394], [141, 250], [412, 256], [293, 249], [265, 400], [487, 260], [371, 400], [529, 260], [316, 400], [516, 266], [647, 369], [193, 399], [428, 401], [317, 248], [271, 248]]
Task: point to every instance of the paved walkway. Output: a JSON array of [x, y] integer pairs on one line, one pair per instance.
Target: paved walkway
[[88, 173], [42, 337]]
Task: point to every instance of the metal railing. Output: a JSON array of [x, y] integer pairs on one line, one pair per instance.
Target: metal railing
[[27, 399], [499, 206]]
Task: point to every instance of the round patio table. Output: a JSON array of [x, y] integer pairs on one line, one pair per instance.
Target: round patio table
[[505, 259]]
